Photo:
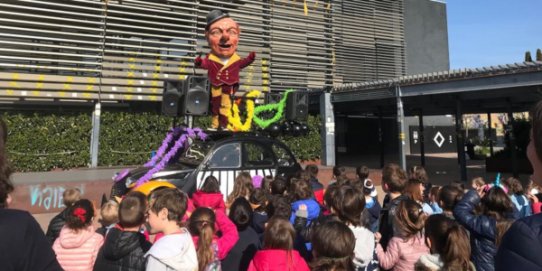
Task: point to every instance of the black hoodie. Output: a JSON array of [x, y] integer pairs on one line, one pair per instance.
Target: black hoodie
[[122, 250]]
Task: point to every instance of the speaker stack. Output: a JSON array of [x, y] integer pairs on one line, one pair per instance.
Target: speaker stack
[[297, 106], [186, 97]]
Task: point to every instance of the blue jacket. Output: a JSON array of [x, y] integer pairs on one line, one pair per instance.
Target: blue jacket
[[313, 208], [521, 246], [483, 230]]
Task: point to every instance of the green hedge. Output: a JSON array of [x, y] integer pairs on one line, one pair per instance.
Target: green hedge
[[47, 141]]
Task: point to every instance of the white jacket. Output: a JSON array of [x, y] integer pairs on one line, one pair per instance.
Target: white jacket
[[174, 252], [365, 246]]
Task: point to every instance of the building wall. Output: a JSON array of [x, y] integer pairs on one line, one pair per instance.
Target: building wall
[[124, 50], [426, 36]]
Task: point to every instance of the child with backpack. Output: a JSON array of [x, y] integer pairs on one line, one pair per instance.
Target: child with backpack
[[404, 250], [210, 247], [209, 195], [78, 244], [517, 195], [125, 246], [175, 250], [278, 253]]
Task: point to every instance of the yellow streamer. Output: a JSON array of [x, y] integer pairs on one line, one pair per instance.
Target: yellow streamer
[[234, 120]]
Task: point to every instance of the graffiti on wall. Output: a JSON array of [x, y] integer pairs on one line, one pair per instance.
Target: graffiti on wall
[[50, 196]]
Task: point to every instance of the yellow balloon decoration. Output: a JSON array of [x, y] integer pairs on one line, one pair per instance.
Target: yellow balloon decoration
[[234, 119]]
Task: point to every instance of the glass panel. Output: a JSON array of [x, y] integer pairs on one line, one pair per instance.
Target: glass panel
[[226, 156]]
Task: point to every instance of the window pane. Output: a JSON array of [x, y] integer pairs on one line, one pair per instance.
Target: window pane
[[284, 159], [227, 156], [257, 155]]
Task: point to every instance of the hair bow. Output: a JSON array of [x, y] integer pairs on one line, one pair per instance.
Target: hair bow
[[80, 213]]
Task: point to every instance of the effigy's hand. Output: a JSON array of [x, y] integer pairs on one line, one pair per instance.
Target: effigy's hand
[[252, 55]]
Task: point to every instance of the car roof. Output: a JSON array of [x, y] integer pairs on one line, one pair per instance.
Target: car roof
[[228, 136]]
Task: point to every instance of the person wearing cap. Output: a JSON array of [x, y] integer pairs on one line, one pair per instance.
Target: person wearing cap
[[222, 64], [372, 206]]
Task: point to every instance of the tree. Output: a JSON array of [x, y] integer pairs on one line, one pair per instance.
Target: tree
[[528, 57], [538, 54]]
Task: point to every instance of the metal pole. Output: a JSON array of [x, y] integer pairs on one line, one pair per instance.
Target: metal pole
[[460, 137], [512, 137], [381, 136], [422, 138], [401, 127], [328, 127], [95, 136], [490, 132]]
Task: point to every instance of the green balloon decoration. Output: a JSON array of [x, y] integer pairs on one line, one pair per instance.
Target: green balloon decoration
[[279, 107]]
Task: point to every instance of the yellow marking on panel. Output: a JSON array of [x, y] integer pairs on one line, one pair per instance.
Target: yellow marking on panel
[[36, 93], [130, 74], [265, 88], [132, 66], [67, 86], [90, 87], [154, 83], [70, 79], [130, 82], [265, 82], [264, 61], [264, 69], [15, 76], [41, 77], [130, 89], [128, 96], [91, 80], [87, 95], [154, 90], [265, 75], [10, 92], [62, 94], [155, 75], [131, 59], [13, 84]]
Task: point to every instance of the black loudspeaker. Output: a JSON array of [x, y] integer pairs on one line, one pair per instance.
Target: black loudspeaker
[[195, 99], [171, 97], [297, 106]]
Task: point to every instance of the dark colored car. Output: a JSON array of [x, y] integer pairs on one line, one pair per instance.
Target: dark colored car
[[223, 155]]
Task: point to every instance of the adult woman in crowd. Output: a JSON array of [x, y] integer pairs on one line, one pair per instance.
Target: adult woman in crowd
[[521, 245], [24, 245]]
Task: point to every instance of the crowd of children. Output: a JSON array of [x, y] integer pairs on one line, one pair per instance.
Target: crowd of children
[[295, 224]]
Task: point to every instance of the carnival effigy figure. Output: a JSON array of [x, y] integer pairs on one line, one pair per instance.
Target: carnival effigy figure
[[222, 64]]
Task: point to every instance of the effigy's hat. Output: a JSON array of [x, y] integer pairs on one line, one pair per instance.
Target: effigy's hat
[[215, 15]]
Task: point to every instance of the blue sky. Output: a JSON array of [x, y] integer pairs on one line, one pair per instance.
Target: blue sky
[[492, 32]]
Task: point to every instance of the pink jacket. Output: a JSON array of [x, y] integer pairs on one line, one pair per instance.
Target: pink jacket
[[77, 250], [214, 201], [279, 260], [402, 255], [229, 235]]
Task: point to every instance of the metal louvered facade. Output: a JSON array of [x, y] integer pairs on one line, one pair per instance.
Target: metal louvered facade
[[114, 50]]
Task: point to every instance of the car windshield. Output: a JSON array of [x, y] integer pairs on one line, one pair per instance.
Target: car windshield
[[196, 152]]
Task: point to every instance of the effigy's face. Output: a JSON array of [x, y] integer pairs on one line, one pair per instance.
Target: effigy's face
[[223, 37]]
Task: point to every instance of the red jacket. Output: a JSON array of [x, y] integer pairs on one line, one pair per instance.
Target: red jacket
[[214, 201], [228, 238], [227, 75], [279, 260]]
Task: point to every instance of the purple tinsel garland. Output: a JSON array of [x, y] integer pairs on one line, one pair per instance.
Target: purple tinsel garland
[[161, 150], [181, 142]]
